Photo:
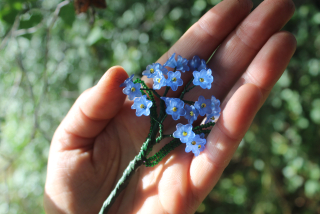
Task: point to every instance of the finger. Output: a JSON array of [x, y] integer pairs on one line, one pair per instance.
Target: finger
[[203, 37], [223, 140], [269, 64], [92, 111], [237, 52], [210, 30]]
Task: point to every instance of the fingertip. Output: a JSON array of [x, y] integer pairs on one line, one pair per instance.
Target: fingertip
[[116, 74], [288, 40], [105, 99]]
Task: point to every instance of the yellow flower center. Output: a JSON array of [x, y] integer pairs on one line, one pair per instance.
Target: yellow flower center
[[193, 142], [199, 146], [174, 109], [141, 106], [191, 113], [201, 79], [151, 70], [133, 89], [174, 79], [184, 133], [158, 80], [203, 105]]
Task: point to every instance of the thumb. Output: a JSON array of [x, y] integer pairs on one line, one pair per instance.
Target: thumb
[[92, 111]]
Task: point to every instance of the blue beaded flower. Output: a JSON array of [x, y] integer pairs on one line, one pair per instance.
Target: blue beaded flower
[[202, 135], [215, 104], [174, 80], [159, 81], [197, 64], [196, 145], [213, 117], [152, 70], [203, 65], [181, 64], [124, 84], [203, 78], [175, 107], [132, 90], [203, 106], [194, 62], [142, 106], [191, 113], [215, 107], [184, 133]]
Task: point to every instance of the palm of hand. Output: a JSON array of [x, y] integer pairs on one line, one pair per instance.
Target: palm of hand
[[101, 134]]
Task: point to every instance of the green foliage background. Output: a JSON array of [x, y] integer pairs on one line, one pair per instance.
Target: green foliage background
[[47, 59]]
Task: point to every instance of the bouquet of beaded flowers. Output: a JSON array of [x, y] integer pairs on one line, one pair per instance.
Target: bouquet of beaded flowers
[[145, 104]]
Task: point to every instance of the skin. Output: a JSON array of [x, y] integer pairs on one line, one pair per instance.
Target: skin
[[101, 133]]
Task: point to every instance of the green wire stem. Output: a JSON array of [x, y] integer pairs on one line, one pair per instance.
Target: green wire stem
[[156, 127]]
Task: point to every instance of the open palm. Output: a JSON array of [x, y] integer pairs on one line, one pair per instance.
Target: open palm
[[101, 133]]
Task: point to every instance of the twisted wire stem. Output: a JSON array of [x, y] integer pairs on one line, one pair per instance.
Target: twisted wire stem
[[156, 127], [125, 178]]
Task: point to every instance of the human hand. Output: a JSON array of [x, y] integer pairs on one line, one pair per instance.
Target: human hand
[[101, 133]]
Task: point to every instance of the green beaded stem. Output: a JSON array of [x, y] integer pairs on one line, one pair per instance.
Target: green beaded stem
[[204, 126], [156, 127], [185, 90], [154, 160]]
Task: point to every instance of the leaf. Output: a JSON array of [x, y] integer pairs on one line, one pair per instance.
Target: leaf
[[68, 15], [8, 14], [33, 21]]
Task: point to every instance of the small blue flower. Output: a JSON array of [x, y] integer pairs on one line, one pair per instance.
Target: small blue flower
[[152, 70], [132, 90], [215, 107], [203, 106], [197, 64], [196, 145], [203, 78], [181, 64], [163, 70], [202, 135], [184, 133], [142, 106], [159, 81], [213, 117], [175, 107], [174, 80], [124, 84], [215, 104], [203, 65], [194, 63], [191, 113], [171, 62]]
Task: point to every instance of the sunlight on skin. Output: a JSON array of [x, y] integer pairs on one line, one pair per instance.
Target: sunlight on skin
[[152, 201], [151, 178], [184, 180], [174, 180], [223, 140]]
